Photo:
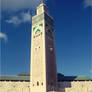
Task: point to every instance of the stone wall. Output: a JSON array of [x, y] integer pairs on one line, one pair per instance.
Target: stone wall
[[9, 86], [76, 86]]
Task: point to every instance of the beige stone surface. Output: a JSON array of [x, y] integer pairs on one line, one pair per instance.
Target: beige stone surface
[[76, 86], [79, 86], [9, 86], [43, 56]]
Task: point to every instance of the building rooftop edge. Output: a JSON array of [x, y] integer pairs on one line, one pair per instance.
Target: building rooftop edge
[[27, 78]]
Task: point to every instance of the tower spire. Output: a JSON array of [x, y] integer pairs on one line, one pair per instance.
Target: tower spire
[[42, 1]]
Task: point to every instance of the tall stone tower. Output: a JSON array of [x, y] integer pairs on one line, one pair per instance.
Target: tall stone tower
[[43, 54]]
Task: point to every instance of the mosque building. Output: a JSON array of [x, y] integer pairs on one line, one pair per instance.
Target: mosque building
[[43, 76]]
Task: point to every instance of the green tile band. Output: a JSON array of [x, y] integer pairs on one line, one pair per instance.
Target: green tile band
[[37, 19], [42, 16]]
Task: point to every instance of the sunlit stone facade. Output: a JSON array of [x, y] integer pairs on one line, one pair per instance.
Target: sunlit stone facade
[[24, 86], [11, 86], [43, 53]]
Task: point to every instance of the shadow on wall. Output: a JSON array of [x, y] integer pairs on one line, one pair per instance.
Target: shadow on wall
[[62, 84]]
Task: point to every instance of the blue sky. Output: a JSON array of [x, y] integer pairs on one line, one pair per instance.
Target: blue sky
[[73, 35]]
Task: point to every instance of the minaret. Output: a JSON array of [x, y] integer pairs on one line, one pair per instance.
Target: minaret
[[43, 54]]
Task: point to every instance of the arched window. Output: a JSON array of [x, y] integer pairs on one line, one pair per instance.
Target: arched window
[[37, 83], [42, 83]]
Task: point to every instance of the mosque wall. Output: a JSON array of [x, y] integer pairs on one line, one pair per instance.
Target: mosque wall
[[75, 86], [9, 86], [18, 86]]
